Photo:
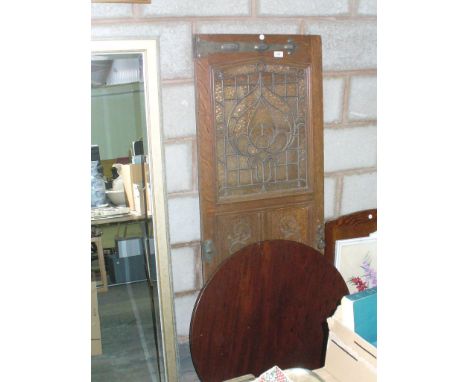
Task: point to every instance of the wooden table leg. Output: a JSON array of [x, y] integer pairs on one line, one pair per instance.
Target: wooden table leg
[[102, 266]]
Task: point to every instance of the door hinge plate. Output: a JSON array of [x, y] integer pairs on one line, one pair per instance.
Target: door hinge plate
[[208, 251], [320, 243], [203, 48]]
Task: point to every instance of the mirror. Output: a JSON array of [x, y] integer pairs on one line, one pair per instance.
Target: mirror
[[132, 297]]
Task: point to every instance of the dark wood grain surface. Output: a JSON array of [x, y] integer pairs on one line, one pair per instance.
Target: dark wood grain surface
[[357, 224], [266, 305]]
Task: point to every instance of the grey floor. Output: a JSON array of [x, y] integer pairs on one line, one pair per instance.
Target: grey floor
[[129, 352]]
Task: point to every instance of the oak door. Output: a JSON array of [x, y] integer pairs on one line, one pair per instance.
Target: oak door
[[260, 141]]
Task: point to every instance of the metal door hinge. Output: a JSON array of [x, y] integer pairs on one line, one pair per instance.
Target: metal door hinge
[[208, 251], [203, 48], [320, 242]]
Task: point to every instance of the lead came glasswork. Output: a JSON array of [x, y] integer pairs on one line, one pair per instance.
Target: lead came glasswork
[[261, 141]]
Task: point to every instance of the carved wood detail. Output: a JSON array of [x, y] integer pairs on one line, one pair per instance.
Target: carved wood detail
[[289, 224], [260, 143], [235, 231]]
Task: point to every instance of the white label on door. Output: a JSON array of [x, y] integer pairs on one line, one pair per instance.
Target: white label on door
[[278, 53]]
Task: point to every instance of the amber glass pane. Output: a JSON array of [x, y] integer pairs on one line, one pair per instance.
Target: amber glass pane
[[261, 144]]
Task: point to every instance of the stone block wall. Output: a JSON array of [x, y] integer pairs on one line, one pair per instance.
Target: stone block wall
[[348, 29]]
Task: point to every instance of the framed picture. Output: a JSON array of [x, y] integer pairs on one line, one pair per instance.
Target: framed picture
[[354, 225], [356, 260]]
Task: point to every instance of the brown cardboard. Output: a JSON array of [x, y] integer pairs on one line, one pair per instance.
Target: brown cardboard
[[132, 174]]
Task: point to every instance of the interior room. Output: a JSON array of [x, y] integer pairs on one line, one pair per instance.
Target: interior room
[[179, 301], [167, 192]]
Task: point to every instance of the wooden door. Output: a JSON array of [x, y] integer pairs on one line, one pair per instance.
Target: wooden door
[[260, 141]]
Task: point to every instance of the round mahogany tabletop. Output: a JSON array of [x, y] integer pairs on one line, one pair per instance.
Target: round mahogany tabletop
[[266, 305]]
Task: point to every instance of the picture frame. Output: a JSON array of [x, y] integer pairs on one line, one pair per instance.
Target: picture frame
[[356, 260], [354, 225]]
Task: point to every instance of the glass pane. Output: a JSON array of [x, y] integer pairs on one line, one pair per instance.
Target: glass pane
[[260, 114], [126, 340]]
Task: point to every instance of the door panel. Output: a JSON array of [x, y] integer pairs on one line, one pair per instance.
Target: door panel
[[235, 231], [290, 224], [260, 140]]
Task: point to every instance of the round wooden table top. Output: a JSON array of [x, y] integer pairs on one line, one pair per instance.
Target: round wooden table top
[[266, 305]]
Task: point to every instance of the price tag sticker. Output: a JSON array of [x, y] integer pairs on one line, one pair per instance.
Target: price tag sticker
[[278, 54]]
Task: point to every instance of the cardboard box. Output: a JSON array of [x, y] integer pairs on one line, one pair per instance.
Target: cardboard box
[[358, 345], [349, 357], [132, 174]]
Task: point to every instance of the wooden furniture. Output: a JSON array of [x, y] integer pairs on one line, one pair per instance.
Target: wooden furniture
[[102, 266], [127, 218], [260, 141], [96, 345], [266, 305], [357, 224], [110, 226]]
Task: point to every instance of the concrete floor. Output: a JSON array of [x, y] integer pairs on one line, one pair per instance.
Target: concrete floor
[[129, 351]]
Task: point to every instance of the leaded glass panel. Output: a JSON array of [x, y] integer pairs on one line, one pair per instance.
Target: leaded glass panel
[[261, 140]]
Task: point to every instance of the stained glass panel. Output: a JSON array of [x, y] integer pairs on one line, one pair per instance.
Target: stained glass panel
[[260, 112]]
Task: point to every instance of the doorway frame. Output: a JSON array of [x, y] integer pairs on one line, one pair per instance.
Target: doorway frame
[[149, 49]]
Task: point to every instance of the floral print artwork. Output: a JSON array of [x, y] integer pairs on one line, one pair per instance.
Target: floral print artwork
[[368, 279], [356, 259]]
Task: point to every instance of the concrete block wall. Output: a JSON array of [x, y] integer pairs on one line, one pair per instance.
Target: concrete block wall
[[348, 29]]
